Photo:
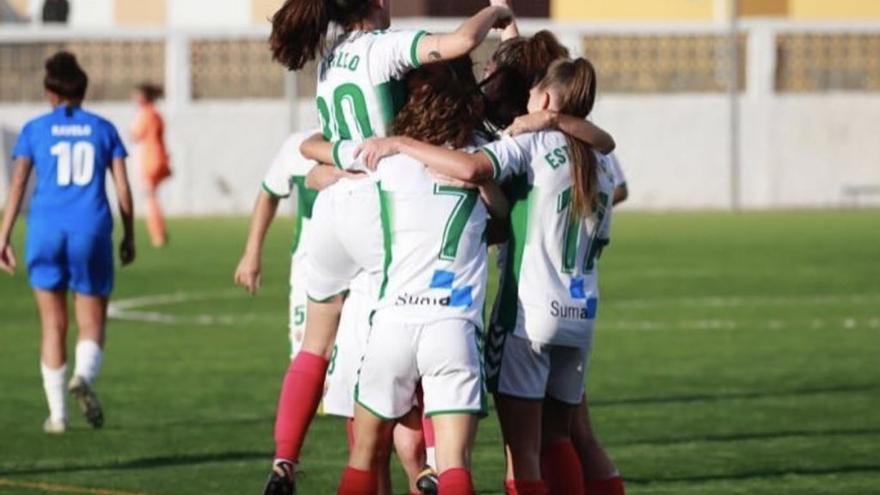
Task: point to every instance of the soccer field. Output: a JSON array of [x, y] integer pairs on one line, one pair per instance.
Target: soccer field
[[735, 354]]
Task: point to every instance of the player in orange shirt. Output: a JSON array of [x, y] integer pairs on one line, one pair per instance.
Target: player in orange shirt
[[148, 131]]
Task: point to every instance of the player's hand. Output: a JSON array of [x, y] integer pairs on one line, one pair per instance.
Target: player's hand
[[126, 251], [504, 16], [533, 122], [373, 150], [7, 258], [248, 273]]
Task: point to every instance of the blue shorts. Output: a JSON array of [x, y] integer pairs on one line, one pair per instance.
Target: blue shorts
[[60, 260]]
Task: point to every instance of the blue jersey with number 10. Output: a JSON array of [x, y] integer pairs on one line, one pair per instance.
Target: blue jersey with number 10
[[71, 151]]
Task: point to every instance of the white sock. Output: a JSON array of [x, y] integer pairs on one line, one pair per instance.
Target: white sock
[[53, 384], [431, 457], [88, 360]]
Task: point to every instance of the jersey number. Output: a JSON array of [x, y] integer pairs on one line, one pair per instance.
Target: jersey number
[[570, 242], [346, 96], [458, 219], [76, 162]]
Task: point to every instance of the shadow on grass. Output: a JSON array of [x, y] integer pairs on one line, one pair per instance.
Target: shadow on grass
[[146, 463], [739, 437], [761, 474], [842, 389]]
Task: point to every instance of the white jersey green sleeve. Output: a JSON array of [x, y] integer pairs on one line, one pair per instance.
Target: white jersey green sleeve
[[287, 177], [436, 260], [549, 287], [616, 170], [360, 86]]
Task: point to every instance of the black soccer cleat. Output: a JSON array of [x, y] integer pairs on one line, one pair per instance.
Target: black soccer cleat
[[427, 482], [281, 480], [87, 400]]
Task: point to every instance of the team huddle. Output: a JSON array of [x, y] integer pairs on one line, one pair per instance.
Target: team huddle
[[416, 170]]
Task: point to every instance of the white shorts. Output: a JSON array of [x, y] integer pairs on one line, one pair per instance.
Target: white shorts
[[345, 237], [533, 371], [351, 339], [444, 355], [298, 302]]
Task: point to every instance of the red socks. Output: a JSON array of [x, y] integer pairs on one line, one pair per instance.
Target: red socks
[[561, 469], [519, 487], [456, 481], [300, 396], [357, 482], [611, 486], [428, 432]]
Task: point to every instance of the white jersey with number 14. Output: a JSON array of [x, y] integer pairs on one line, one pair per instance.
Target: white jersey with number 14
[[549, 287]]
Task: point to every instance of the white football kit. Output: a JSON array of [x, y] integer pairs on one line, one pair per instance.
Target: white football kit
[[542, 324], [360, 90], [286, 177], [428, 320]]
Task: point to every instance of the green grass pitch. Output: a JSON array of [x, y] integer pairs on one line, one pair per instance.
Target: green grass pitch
[[736, 354]]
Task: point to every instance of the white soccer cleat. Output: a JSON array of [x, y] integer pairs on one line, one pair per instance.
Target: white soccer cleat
[[88, 402], [54, 427]]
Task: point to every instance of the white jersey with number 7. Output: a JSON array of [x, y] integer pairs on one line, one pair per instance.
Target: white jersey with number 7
[[549, 282]]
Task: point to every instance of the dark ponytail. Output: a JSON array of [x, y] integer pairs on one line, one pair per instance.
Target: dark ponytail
[[65, 77], [299, 27], [520, 63]]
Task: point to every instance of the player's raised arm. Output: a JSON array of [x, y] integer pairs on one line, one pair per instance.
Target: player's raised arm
[[20, 175], [580, 129], [437, 47], [126, 210]]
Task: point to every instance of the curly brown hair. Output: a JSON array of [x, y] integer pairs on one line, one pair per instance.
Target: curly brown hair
[[444, 105]]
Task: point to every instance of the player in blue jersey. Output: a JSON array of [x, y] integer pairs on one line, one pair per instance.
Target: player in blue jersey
[[69, 243]]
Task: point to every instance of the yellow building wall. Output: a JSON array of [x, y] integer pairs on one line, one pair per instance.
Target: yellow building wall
[[763, 8], [826, 9], [140, 13], [564, 10], [261, 10]]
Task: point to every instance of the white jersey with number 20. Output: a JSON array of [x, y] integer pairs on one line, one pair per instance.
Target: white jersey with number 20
[[360, 82]]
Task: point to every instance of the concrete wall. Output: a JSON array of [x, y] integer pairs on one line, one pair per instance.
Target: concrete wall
[[798, 151], [219, 152]]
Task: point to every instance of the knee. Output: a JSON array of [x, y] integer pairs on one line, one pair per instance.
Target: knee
[[410, 448]]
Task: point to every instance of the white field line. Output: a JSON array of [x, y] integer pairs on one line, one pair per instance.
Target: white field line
[[131, 309], [739, 301], [846, 323]]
